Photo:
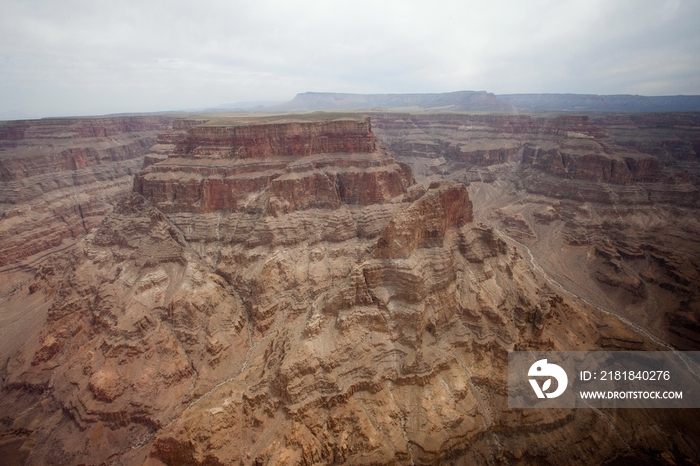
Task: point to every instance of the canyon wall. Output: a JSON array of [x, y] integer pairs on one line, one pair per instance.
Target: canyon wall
[[59, 177], [297, 165], [617, 158], [278, 139]]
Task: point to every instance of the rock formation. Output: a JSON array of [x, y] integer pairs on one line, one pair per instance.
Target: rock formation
[[257, 300]]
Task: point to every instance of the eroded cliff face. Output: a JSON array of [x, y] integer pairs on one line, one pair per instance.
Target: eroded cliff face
[[293, 166], [304, 309], [442, 143], [60, 177], [278, 139]]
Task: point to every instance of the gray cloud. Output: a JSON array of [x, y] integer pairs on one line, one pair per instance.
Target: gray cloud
[[92, 57]]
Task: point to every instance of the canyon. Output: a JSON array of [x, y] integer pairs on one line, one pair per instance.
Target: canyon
[[338, 288], [608, 204]]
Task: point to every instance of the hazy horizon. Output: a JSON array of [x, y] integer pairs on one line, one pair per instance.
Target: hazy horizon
[[87, 58]]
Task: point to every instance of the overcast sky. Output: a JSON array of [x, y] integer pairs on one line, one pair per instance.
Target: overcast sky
[[74, 57]]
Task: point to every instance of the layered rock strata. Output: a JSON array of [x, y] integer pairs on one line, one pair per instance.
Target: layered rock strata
[[58, 178], [631, 158], [293, 166], [328, 311], [441, 144], [278, 139]]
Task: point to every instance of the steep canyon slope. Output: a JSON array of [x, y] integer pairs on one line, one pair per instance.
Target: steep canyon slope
[[58, 180], [283, 291]]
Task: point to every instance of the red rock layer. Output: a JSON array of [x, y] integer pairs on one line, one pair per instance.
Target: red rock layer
[[298, 165], [424, 223], [278, 139]]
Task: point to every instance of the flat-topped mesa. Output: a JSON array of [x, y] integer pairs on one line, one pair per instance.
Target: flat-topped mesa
[[278, 139], [285, 165]]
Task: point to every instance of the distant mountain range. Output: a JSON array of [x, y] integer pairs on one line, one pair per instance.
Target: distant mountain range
[[602, 103], [486, 101], [248, 105], [462, 100]]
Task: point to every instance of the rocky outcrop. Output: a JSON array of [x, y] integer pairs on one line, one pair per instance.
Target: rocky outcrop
[[138, 329], [297, 165], [278, 139], [58, 178], [599, 167], [459, 142], [167, 141], [424, 223], [576, 186], [356, 346]]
